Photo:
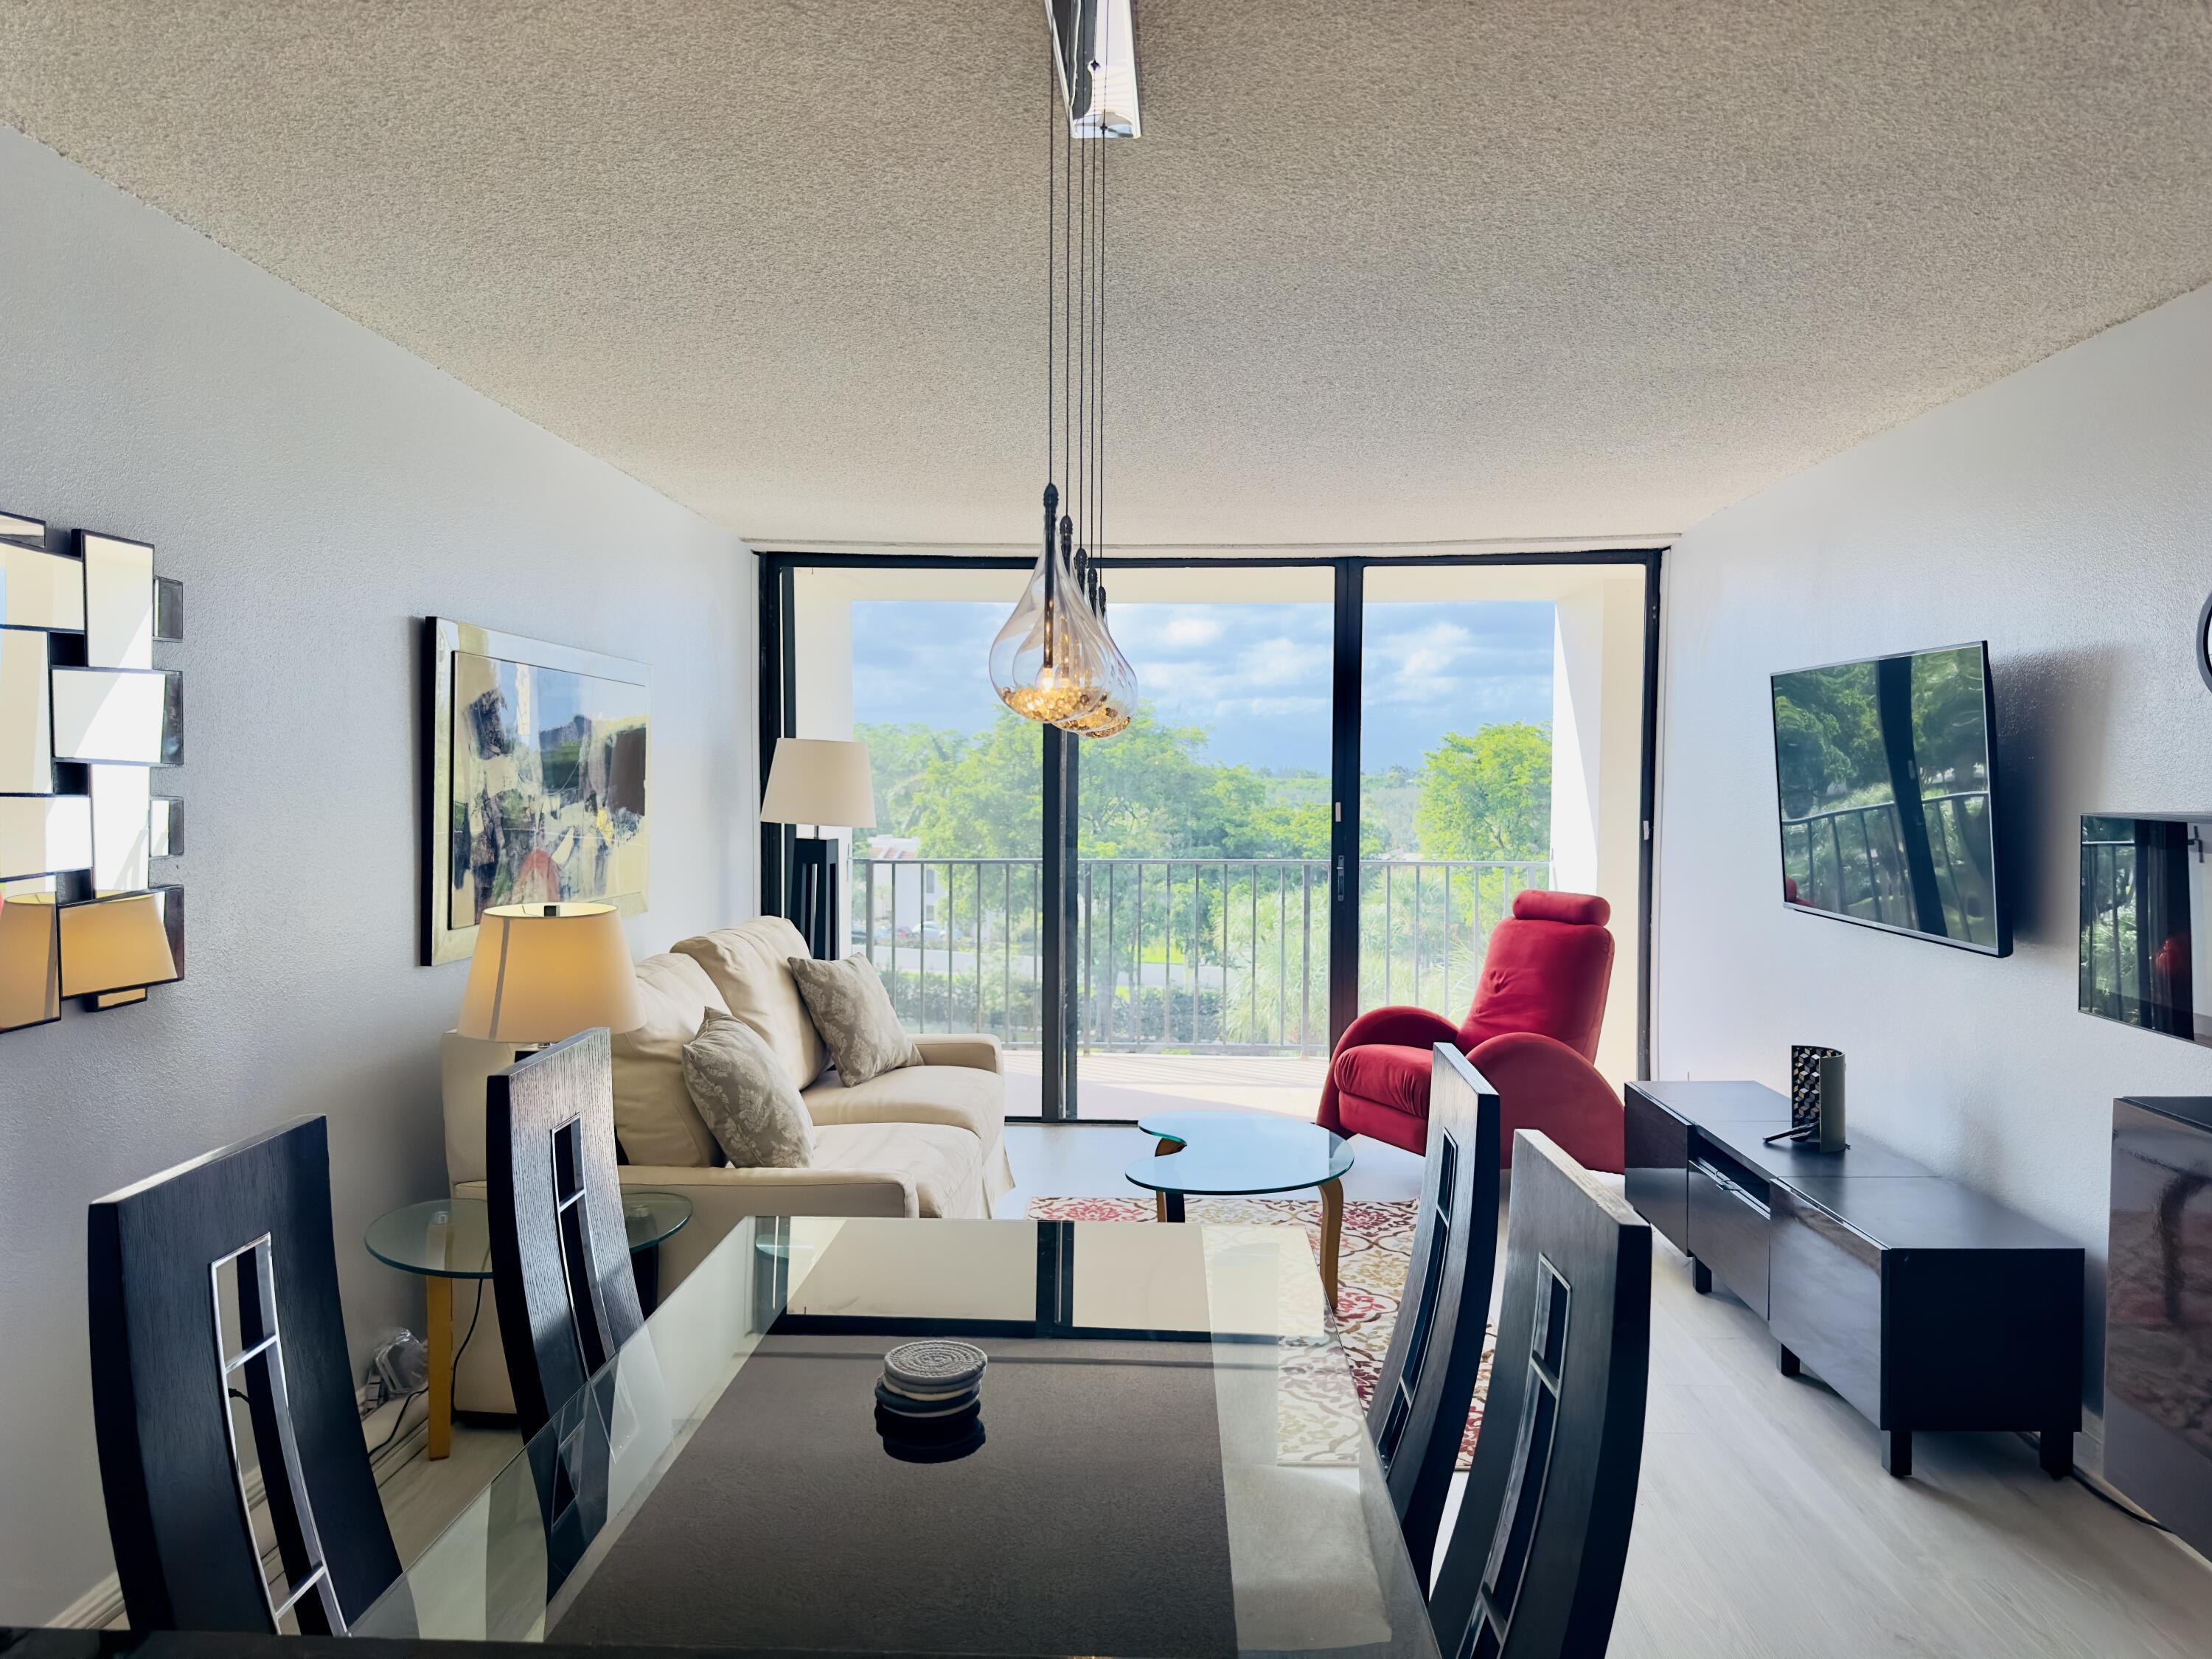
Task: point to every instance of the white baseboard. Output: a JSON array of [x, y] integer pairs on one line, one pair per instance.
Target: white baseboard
[[98, 1608]]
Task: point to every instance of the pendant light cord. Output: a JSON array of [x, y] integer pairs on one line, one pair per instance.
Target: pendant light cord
[[1051, 257]]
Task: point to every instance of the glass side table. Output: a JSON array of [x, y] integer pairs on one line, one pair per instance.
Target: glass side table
[[450, 1238], [1225, 1153]]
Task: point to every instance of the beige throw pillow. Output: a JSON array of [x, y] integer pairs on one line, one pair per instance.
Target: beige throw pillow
[[746, 1097], [853, 1013]]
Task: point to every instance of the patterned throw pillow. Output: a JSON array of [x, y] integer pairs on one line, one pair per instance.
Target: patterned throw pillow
[[745, 1097], [853, 1013]]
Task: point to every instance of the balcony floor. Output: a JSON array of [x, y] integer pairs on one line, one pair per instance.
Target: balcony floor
[[1128, 1085]]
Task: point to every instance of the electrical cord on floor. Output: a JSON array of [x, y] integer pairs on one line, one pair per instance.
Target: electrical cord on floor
[[2101, 1495], [2106, 1498], [405, 1400], [452, 1377]]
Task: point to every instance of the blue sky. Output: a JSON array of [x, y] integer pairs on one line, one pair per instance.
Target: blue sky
[[1256, 675]]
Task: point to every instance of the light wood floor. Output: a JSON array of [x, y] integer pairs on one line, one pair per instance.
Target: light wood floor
[[1765, 1525]]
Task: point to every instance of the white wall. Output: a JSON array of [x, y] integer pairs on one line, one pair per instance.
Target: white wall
[[2065, 515], [318, 490], [1597, 768]]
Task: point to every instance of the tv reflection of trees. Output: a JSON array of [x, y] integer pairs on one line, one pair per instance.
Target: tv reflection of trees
[[1883, 773]]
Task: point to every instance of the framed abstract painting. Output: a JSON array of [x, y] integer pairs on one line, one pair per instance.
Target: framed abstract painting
[[538, 780]]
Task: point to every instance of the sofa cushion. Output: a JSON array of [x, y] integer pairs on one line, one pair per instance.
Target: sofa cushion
[[944, 1165], [1389, 1073], [741, 1090], [746, 963], [958, 1095], [654, 1119], [853, 1013]]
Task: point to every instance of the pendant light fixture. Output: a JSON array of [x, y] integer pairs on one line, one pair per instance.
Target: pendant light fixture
[[1055, 660]]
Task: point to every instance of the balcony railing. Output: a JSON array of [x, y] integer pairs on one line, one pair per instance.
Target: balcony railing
[[1180, 955]]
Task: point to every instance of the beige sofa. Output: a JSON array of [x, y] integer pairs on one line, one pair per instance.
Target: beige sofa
[[923, 1140]]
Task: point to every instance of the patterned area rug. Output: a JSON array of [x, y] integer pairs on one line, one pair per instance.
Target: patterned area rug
[[1376, 1247]]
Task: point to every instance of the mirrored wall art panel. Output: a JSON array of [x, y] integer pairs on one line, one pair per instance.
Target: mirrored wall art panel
[[166, 827], [113, 714], [44, 835], [30, 954], [40, 590], [26, 749], [122, 943], [118, 601], [122, 800], [15, 527], [168, 608], [172, 903], [173, 720]]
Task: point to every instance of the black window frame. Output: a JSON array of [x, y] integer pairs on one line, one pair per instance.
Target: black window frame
[[1060, 781]]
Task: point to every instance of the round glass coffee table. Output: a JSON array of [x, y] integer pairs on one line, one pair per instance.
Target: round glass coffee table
[[1243, 1155], [444, 1239]]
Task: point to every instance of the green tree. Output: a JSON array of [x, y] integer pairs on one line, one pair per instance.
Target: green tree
[[981, 800], [1488, 795], [900, 756]]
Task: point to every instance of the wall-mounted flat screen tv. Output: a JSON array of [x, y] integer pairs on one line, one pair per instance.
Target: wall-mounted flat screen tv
[[1886, 771], [2145, 934]]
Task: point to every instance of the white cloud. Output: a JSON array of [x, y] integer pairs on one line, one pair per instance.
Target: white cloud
[[1191, 630]]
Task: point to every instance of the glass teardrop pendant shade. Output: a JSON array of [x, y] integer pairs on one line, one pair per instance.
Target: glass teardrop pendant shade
[[1113, 715], [1051, 659]]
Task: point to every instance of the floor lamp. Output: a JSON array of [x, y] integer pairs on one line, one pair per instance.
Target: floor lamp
[[822, 783]]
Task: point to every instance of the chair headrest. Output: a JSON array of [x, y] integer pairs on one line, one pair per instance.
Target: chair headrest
[[1585, 909]]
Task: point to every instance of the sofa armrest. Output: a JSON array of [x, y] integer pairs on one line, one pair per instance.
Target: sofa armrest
[[720, 1198], [978, 1050], [733, 1193]]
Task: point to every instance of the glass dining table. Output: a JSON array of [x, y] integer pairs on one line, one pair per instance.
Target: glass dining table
[[1172, 1462]]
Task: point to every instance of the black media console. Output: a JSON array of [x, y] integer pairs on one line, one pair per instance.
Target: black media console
[[1925, 1305]]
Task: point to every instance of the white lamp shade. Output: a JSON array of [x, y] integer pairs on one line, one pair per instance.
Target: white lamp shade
[[820, 780], [544, 972]]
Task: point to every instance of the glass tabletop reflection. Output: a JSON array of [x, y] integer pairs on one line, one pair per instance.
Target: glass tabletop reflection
[[451, 1237], [1225, 1153], [1169, 1459]]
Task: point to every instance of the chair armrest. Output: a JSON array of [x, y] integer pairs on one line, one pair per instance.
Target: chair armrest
[[1414, 1028], [1544, 1085], [979, 1050]]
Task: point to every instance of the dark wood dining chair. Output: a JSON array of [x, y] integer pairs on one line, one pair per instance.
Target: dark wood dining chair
[[170, 1357], [1533, 1570], [1418, 1412], [560, 1256]]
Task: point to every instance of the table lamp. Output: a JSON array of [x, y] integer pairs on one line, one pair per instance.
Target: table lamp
[[544, 972], [822, 783], [541, 973]]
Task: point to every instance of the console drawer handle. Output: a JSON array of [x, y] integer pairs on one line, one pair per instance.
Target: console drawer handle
[[1735, 1189]]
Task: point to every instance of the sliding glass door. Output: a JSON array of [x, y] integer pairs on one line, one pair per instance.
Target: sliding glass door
[[1501, 747], [1202, 843], [945, 893], [1344, 771]]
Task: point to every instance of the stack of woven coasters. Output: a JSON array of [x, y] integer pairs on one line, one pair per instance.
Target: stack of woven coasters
[[932, 1379], [929, 1400]]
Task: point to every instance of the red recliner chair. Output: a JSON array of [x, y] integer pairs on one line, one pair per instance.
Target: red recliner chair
[[1532, 1033]]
